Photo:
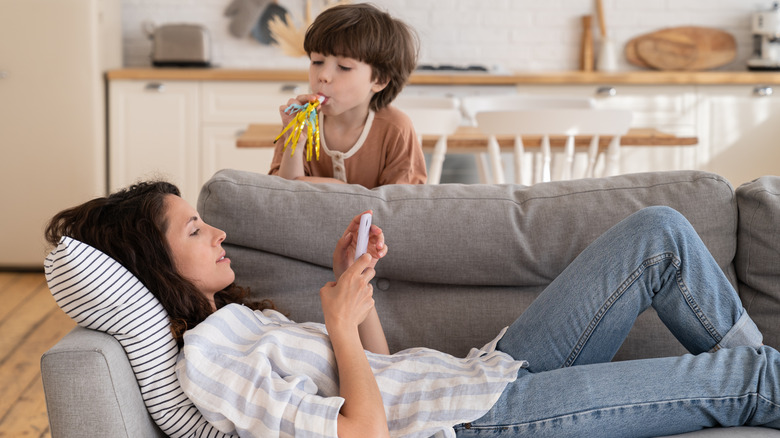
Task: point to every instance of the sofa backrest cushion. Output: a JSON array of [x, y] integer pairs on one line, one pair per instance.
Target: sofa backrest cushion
[[464, 260], [758, 254], [100, 294], [462, 234]]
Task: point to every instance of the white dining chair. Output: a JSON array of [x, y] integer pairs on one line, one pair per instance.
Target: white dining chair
[[438, 116], [568, 122], [490, 162]]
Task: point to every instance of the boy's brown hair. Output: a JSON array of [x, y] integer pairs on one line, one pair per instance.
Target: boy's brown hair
[[361, 31]]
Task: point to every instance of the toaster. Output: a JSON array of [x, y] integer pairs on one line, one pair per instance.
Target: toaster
[[180, 45]]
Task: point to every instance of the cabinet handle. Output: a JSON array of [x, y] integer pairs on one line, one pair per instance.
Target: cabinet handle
[[606, 91], [4, 74], [762, 91], [239, 133], [290, 89], [155, 86]]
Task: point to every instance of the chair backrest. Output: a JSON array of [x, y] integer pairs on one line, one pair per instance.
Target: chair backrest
[[430, 115], [548, 121], [473, 105], [405, 101]]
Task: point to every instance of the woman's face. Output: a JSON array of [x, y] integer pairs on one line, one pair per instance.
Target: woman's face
[[197, 248]]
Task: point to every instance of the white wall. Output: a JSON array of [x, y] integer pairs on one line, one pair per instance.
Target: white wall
[[521, 35]]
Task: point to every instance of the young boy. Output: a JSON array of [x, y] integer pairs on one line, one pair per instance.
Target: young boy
[[361, 58]]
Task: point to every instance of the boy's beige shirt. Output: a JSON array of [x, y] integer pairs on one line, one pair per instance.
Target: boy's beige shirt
[[387, 152]]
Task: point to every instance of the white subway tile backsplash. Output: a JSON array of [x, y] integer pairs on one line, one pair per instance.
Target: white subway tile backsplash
[[528, 35]]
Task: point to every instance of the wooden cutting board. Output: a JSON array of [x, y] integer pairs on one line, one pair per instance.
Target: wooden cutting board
[[682, 48]]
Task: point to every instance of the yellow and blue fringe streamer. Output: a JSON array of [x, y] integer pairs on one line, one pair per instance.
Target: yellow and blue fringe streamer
[[305, 118]]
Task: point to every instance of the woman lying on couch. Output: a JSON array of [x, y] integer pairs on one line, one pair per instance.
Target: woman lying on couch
[[256, 373]]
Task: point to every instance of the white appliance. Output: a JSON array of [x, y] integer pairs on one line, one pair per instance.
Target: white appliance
[[766, 40], [53, 55]]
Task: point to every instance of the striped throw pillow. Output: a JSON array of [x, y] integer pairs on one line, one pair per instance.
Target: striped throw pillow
[[100, 294]]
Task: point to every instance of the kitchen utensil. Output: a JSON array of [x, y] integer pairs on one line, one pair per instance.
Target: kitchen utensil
[[607, 58], [586, 55], [682, 48], [602, 19], [632, 57]]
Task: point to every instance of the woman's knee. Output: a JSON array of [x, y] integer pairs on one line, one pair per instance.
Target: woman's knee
[[660, 220], [661, 215]]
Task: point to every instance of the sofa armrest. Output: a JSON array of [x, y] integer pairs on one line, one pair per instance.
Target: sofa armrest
[[91, 389]]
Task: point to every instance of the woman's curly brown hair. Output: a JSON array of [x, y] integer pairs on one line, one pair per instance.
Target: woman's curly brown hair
[[130, 226]]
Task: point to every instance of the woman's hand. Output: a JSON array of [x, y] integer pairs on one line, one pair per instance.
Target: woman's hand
[[347, 301], [344, 254], [372, 335]]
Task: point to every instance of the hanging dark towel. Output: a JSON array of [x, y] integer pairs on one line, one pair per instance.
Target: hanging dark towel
[[260, 31], [244, 14]]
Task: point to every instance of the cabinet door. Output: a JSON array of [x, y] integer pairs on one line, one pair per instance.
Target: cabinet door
[[154, 134], [219, 151], [744, 125], [668, 108]]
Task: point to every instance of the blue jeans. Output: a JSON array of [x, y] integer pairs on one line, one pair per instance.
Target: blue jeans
[[572, 331]]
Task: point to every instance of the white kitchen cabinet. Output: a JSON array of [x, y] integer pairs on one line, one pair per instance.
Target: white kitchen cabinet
[[154, 133], [669, 108], [185, 131], [741, 142]]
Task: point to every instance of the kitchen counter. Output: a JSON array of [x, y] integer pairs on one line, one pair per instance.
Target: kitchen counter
[[438, 78]]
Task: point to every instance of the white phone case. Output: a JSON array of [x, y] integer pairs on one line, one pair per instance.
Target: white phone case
[[362, 240]]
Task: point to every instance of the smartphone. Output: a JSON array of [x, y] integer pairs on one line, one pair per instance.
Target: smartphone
[[362, 240]]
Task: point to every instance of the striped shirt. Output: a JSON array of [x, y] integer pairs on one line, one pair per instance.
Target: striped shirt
[[258, 374]]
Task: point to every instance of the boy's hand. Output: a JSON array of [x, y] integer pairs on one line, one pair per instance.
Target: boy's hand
[[291, 166], [303, 99], [344, 254]]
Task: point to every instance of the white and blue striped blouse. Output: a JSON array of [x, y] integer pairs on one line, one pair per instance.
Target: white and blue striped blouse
[[258, 374]]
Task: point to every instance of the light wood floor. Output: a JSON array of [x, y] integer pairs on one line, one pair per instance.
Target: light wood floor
[[30, 323]]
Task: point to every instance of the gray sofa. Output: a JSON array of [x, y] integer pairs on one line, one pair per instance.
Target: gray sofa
[[464, 261]]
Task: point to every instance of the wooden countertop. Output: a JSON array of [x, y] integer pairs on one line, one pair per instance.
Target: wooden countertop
[[470, 139], [427, 78]]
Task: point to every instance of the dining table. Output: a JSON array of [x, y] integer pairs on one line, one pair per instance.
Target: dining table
[[470, 140]]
